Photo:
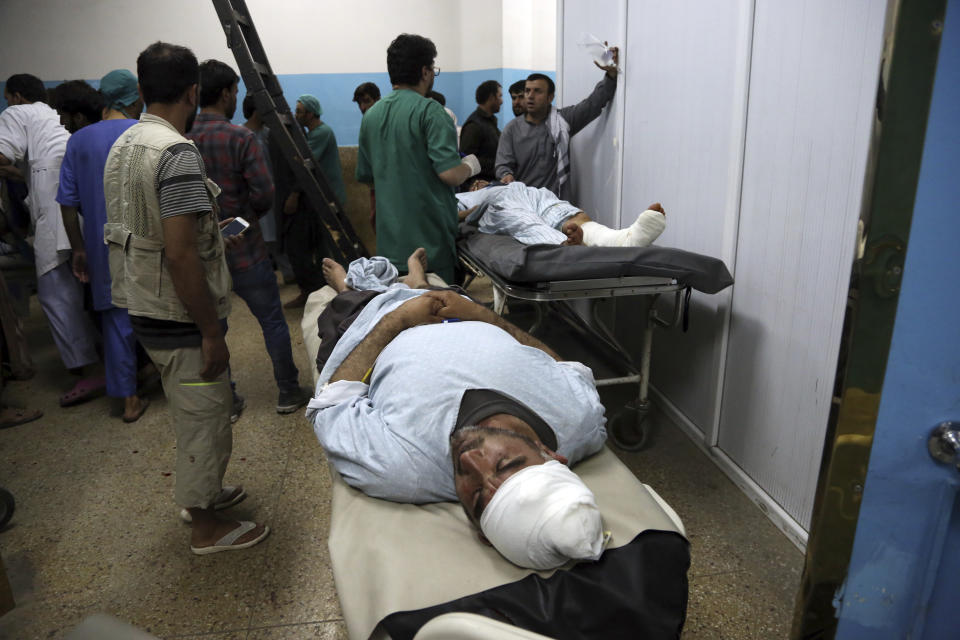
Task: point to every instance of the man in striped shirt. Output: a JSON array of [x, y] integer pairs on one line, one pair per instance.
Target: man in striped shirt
[[168, 270]]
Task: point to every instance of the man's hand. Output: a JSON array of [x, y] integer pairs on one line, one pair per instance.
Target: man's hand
[[573, 232], [463, 215], [215, 357], [417, 311], [453, 305], [507, 179], [611, 69], [79, 264], [291, 204], [230, 241]]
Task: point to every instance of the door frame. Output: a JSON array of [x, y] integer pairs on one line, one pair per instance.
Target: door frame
[[911, 45]]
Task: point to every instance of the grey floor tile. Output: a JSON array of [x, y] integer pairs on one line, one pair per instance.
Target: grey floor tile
[[298, 585]]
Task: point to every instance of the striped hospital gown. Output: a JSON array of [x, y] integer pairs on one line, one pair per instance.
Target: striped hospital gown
[[531, 215]]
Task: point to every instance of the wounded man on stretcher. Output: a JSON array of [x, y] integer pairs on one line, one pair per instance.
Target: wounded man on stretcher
[[537, 216], [426, 396]]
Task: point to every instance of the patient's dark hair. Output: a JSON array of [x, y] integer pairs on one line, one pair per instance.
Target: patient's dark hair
[[539, 76], [407, 55], [517, 87], [165, 72], [439, 97], [368, 89], [76, 96], [29, 86], [215, 76], [485, 90]]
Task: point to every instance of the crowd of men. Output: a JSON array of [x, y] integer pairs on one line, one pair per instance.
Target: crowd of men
[[130, 186]]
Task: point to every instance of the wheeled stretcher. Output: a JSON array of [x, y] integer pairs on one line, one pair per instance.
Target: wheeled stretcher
[[405, 571], [552, 276]]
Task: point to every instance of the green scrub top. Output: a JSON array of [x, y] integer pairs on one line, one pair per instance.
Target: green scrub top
[[405, 141], [323, 146]]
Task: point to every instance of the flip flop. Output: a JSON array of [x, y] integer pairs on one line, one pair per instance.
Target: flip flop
[[12, 416], [226, 543], [84, 390], [144, 403], [225, 500]]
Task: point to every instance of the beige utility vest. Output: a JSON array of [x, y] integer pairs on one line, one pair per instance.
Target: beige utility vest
[[134, 232]]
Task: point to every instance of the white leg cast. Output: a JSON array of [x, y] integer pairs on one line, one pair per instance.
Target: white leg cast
[[599, 235], [647, 228]]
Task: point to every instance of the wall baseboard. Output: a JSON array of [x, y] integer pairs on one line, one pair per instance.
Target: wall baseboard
[[776, 514]]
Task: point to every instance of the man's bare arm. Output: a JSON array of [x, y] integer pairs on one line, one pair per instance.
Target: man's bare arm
[[420, 310], [189, 281], [456, 306], [71, 223]]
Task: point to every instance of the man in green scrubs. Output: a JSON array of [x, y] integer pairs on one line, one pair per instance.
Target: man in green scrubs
[[322, 143], [408, 152]]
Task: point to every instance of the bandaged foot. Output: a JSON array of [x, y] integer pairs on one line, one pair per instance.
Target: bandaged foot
[[647, 228]]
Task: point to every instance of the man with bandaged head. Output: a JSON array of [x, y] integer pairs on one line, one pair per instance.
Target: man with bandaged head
[[428, 397]]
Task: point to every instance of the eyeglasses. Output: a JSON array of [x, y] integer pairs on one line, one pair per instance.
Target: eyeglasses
[[436, 71]]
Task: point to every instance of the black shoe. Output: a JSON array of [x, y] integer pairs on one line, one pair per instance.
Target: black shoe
[[290, 401]]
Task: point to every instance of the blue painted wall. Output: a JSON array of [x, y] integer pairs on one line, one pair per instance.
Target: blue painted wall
[[335, 92]]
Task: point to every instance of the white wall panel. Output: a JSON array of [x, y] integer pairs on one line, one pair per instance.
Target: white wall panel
[[529, 33], [595, 154], [813, 81], [685, 102]]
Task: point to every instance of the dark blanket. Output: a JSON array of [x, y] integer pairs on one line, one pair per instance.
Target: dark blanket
[[638, 590], [531, 264]]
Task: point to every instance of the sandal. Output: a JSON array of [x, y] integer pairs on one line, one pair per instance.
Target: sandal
[[84, 390], [227, 542], [12, 416]]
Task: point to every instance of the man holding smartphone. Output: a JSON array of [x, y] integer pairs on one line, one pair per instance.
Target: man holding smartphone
[[236, 162]]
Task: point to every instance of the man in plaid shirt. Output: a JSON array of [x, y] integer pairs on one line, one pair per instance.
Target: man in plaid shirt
[[235, 161]]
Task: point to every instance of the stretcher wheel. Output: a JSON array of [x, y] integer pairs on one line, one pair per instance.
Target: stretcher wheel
[[629, 429], [7, 506]]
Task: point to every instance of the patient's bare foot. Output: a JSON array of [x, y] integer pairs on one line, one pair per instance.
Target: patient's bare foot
[[417, 269], [656, 206], [573, 231], [335, 275]]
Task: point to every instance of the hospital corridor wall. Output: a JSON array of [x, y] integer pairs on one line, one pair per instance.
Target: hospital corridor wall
[[323, 48], [750, 122]]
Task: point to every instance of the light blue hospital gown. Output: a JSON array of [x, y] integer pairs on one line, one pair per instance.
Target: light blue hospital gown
[[391, 439], [531, 215]]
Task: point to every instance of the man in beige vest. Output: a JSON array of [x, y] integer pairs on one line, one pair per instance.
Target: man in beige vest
[[168, 269]]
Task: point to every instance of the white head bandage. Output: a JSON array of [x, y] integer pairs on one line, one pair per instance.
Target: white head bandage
[[542, 516]]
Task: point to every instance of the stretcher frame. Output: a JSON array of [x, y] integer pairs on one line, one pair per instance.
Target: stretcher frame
[[626, 433]]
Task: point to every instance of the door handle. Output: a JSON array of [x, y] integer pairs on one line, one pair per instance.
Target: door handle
[[944, 443]]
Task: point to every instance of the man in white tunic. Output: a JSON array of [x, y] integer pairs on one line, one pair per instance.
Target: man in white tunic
[[30, 131]]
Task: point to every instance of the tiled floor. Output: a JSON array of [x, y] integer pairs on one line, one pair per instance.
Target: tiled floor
[[96, 530]]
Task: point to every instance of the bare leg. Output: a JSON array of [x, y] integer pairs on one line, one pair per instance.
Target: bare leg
[[416, 277], [335, 275]]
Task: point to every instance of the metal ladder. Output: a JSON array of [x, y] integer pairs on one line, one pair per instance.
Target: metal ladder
[[260, 81]]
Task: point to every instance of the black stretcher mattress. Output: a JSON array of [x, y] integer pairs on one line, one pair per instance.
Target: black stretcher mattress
[[531, 264]]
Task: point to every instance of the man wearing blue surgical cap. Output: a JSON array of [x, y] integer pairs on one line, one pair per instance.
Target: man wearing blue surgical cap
[[301, 231], [81, 187]]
